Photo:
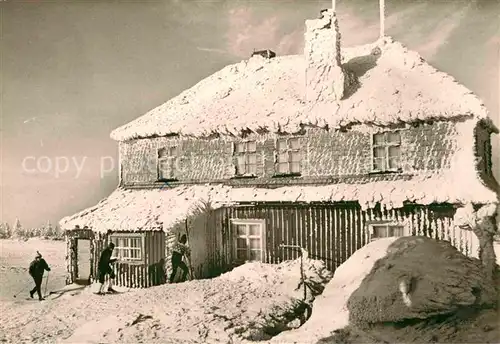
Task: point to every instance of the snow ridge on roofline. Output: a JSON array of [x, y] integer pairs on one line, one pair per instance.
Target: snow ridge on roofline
[[157, 209], [393, 85]]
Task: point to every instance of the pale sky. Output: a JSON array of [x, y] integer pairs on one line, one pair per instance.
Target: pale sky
[[72, 71]]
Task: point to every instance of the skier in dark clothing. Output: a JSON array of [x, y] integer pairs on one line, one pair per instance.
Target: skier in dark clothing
[[179, 250], [104, 268], [36, 270]]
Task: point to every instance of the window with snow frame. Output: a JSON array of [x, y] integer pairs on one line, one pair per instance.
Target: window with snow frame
[[167, 163], [129, 247], [288, 156], [379, 230], [245, 158], [249, 240], [386, 151]]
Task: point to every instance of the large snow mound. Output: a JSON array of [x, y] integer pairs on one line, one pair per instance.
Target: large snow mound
[[423, 291], [403, 285], [330, 308]]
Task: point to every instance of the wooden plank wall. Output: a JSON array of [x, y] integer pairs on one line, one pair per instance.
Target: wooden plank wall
[[332, 232], [432, 221], [329, 232], [317, 228], [150, 272]]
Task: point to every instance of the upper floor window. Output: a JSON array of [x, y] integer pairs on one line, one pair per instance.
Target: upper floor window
[[246, 158], [288, 155], [386, 151], [167, 158]]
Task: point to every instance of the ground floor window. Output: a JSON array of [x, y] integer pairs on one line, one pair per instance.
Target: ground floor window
[[385, 230], [128, 247], [249, 240]]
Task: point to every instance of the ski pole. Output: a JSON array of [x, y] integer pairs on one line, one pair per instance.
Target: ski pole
[[189, 259], [46, 282], [20, 291]]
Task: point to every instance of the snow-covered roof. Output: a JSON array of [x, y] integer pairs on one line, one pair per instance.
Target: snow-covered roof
[[157, 209], [393, 85]]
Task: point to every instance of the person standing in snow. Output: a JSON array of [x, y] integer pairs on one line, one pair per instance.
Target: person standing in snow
[[180, 250], [105, 268], [36, 270]]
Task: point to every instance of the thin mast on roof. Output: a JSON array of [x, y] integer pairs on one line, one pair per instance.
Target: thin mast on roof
[[382, 17]]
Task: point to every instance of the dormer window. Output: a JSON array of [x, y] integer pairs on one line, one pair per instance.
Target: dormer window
[[386, 152], [288, 156], [167, 167], [246, 158]]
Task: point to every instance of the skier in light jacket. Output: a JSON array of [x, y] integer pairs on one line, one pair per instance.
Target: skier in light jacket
[[180, 250]]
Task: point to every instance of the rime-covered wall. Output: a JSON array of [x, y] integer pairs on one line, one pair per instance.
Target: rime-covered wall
[[324, 154], [483, 151]]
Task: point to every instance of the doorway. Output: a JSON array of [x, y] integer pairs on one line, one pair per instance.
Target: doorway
[[83, 261]]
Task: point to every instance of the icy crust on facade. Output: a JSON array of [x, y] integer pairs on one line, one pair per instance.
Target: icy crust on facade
[[154, 209], [391, 84]]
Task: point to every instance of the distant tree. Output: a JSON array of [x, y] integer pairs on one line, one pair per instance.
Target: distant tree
[[4, 231], [48, 230], [58, 233], [37, 232], [31, 233], [18, 229], [8, 230]]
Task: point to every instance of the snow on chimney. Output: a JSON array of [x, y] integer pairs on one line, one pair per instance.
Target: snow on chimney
[[324, 76], [382, 17]]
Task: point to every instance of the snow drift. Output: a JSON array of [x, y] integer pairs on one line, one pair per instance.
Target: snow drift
[[390, 281], [423, 290], [253, 302], [330, 308], [406, 285]]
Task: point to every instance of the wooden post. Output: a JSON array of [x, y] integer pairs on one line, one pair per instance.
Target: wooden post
[[303, 253], [382, 18], [189, 258]]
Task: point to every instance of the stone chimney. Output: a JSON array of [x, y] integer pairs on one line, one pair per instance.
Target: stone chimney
[[324, 76]]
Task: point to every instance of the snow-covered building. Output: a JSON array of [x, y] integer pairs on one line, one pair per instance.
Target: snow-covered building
[[326, 150]]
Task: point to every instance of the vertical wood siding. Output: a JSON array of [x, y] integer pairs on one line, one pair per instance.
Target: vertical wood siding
[[329, 232], [149, 272], [332, 232]]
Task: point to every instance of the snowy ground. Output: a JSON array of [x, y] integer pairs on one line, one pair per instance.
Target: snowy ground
[[250, 302], [330, 311], [15, 258]]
